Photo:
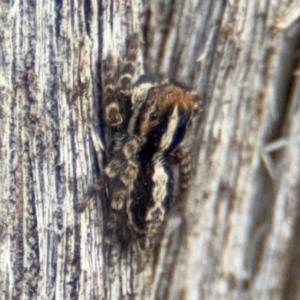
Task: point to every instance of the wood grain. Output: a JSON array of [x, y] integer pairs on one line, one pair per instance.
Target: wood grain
[[235, 235]]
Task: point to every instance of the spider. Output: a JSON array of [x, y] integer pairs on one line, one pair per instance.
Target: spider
[[149, 120]]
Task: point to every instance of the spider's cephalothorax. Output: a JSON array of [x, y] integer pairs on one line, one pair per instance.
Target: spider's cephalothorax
[[149, 120], [162, 114]]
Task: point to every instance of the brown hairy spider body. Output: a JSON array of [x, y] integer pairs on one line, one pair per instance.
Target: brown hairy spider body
[[149, 120]]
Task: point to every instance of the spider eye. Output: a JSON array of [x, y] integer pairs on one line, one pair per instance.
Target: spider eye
[[153, 116]]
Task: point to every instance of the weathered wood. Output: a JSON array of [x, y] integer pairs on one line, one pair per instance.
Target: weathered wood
[[235, 235]]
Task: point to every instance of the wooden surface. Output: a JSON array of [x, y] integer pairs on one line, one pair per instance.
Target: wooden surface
[[236, 234]]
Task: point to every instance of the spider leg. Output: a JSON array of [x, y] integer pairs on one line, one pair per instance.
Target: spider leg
[[117, 82], [120, 173], [99, 184], [183, 158], [110, 172], [122, 187], [112, 110]]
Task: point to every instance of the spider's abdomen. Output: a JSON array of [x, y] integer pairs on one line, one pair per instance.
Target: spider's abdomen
[[152, 198]]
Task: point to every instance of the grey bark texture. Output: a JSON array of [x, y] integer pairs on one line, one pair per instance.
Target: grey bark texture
[[236, 234]]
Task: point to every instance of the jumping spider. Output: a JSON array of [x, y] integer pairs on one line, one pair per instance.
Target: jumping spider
[[149, 120]]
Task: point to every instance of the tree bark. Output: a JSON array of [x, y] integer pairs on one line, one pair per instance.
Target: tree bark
[[235, 235]]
